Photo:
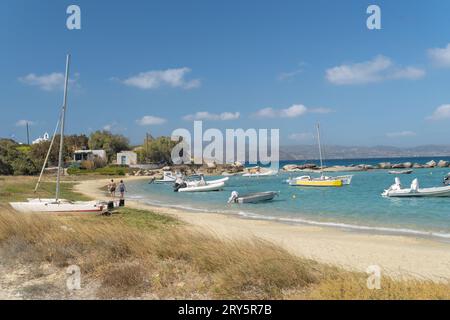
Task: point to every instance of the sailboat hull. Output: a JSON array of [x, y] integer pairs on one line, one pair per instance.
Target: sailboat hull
[[317, 183], [34, 205]]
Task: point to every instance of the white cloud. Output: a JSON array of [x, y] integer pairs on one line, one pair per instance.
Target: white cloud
[[154, 79], [440, 56], [301, 137], [150, 120], [204, 115], [410, 73], [47, 82], [293, 111], [401, 134], [23, 123], [378, 69], [442, 112]]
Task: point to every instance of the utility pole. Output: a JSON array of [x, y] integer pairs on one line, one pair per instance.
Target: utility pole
[[28, 134]]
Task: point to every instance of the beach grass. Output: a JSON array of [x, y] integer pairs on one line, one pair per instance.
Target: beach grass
[[142, 254]]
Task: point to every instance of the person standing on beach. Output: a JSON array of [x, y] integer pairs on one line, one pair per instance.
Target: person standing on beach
[[122, 189], [112, 188]]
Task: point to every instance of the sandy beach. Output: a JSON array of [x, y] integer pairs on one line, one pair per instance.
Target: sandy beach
[[398, 256]]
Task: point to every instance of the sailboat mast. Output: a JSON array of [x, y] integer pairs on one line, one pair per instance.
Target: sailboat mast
[[320, 148], [61, 139]]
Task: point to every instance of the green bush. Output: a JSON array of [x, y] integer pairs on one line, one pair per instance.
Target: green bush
[[108, 171]]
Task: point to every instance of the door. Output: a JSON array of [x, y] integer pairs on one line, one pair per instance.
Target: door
[[123, 160]]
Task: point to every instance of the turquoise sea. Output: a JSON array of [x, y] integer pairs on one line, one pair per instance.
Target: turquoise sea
[[358, 206]]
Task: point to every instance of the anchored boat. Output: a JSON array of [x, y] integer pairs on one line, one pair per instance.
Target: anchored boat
[[259, 173], [252, 197], [322, 181], [400, 171], [200, 188], [396, 190]]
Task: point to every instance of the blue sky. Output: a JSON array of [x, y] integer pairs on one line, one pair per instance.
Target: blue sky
[[155, 66]]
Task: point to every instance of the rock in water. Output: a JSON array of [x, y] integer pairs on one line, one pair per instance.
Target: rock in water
[[442, 164], [385, 165], [431, 164]]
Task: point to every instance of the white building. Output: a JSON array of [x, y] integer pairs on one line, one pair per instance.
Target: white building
[[45, 137], [127, 158], [83, 155]]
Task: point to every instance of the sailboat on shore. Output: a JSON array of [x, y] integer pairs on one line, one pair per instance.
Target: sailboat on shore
[[322, 181], [57, 204]]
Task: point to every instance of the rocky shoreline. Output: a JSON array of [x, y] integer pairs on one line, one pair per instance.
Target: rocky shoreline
[[212, 169], [311, 167]]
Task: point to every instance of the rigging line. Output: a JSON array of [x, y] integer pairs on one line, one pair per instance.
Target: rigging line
[[48, 153]]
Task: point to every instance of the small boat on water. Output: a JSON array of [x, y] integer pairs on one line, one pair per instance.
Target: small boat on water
[[409, 171], [57, 205], [396, 190], [184, 187], [252, 197], [168, 177], [193, 180], [322, 181], [259, 173]]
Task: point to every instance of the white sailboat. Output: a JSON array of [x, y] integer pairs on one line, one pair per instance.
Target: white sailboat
[[322, 181], [57, 204]]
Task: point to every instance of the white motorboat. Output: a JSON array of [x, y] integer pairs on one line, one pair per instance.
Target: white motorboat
[[409, 171], [168, 177], [201, 188], [195, 182], [267, 173], [252, 197], [396, 190], [57, 204]]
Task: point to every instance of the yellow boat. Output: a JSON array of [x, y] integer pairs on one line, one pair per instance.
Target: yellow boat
[[317, 183]]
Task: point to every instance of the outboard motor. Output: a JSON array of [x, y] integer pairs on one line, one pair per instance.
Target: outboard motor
[[178, 186], [447, 179], [234, 196]]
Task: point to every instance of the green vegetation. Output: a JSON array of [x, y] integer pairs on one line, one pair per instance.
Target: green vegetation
[[156, 150], [112, 170], [111, 143], [14, 161]]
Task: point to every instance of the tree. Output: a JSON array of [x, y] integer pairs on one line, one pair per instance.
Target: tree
[[5, 168], [111, 143], [72, 143], [157, 150], [14, 161]]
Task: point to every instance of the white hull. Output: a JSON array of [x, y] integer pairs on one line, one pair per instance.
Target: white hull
[[208, 182], [400, 171], [421, 192], [260, 174], [49, 205], [205, 188]]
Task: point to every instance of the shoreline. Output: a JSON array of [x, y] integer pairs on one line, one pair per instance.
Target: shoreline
[[398, 255]]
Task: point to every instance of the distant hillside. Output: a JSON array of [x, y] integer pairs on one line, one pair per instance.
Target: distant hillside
[[306, 152]]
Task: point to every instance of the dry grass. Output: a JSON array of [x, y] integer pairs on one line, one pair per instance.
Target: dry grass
[[169, 261], [140, 254]]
